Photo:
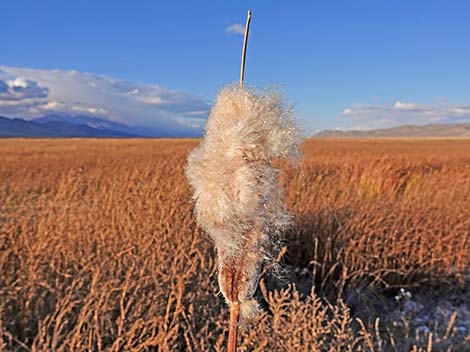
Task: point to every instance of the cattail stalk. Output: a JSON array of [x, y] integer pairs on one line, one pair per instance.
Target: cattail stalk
[[233, 329], [235, 308], [245, 43], [238, 201]]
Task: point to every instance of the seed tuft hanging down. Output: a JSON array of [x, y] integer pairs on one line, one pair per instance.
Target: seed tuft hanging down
[[237, 198]]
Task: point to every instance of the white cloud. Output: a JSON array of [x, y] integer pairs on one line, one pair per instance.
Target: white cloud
[[20, 88], [401, 112], [235, 28], [347, 111], [30, 93], [53, 106], [91, 111], [400, 105]]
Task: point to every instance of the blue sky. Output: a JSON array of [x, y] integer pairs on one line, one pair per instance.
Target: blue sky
[[342, 64]]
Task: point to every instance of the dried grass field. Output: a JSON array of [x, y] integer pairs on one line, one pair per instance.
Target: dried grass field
[[99, 250]]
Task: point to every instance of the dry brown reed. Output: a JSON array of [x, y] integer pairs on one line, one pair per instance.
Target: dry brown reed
[[99, 250]]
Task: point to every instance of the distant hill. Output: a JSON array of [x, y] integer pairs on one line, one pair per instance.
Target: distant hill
[[405, 131], [17, 127], [94, 122]]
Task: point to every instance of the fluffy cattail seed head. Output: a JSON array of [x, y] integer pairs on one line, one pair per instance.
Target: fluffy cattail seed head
[[237, 198]]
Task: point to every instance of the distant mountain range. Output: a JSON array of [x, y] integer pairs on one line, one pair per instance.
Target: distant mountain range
[[405, 131], [83, 126], [62, 126]]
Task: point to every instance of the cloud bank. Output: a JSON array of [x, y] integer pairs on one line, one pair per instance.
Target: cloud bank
[[29, 93], [400, 113]]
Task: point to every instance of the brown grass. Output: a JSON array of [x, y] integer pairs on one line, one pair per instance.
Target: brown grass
[[99, 249]]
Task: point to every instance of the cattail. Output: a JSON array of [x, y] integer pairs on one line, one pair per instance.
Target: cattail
[[237, 198]]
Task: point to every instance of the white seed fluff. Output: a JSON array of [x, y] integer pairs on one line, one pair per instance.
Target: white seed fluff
[[237, 198]]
